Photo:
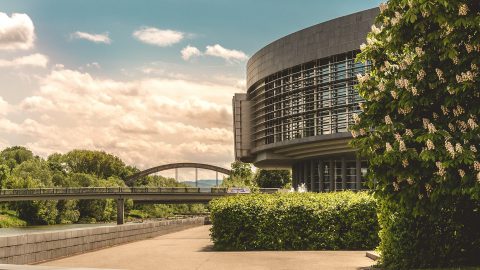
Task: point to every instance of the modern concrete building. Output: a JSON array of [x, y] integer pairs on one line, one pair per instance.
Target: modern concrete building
[[299, 104]]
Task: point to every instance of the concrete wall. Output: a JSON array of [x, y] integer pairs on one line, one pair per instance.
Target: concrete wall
[[37, 247], [336, 36]]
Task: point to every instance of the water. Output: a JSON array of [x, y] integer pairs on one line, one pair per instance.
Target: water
[[49, 228]]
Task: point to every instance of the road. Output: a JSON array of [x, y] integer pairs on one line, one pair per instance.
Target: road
[[192, 249]]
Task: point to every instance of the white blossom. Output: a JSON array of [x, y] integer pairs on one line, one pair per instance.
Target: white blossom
[[463, 10], [461, 173], [388, 120], [408, 132], [441, 169], [450, 149], [440, 75], [430, 145], [428, 188], [473, 148], [410, 181], [383, 7], [396, 186], [458, 148], [476, 166], [388, 147], [414, 91], [402, 146], [472, 124], [376, 30], [405, 163], [421, 74]]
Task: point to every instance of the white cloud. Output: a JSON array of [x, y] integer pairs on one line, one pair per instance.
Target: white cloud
[[94, 65], [158, 37], [3, 106], [16, 32], [227, 54], [97, 38], [146, 122], [189, 52], [34, 60]]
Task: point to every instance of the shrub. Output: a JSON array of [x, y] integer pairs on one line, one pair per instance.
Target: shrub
[[295, 221]]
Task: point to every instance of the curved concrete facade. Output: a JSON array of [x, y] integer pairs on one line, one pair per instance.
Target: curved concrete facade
[[299, 104], [333, 37]]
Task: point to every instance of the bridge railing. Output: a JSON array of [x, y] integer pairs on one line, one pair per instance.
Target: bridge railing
[[125, 190], [96, 190]]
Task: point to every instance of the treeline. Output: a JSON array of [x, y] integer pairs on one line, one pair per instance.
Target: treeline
[[243, 175], [20, 168]]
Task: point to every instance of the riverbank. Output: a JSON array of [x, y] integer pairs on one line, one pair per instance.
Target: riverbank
[[192, 249]]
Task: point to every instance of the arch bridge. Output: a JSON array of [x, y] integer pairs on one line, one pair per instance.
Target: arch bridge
[[129, 180]]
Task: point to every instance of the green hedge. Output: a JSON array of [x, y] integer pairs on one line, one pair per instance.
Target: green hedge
[[295, 221]]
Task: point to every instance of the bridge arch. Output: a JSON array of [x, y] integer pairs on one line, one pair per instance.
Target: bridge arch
[[130, 179]]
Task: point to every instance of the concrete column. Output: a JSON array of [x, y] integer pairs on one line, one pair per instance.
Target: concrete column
[[196, 177], [216, 182], [331, 172], [306, 168], [176, 174], [344, 174], [293, 175], [359, 173], [321, 175], [312, 175], [120, 211]]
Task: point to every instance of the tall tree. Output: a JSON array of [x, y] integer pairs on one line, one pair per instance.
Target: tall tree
[[419, 130], [273, 178]]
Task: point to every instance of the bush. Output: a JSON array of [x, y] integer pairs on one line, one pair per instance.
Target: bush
[[295, 221]]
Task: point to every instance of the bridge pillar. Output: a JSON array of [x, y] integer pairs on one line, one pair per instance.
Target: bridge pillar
[[196, 177], [120, 211]]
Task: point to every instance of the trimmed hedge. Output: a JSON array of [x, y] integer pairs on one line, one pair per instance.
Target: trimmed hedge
[[295, 221]]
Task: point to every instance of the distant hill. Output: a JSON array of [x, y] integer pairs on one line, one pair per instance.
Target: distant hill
[[203, 183]]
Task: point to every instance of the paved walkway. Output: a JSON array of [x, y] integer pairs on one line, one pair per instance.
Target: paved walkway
[[191, 249]]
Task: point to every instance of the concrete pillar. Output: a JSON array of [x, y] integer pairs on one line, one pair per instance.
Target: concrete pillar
[[305, 174], [344, 173], [359, 173], [295, 176], [312, 175], [331, 172], [176, 174], [216, 179], [196, 177], [120, 211], [321, 175]]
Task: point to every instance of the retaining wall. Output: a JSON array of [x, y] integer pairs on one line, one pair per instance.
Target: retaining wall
[[37, 247]]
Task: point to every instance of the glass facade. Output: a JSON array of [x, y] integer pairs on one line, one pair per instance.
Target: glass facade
[[311, 99], [330, 174]]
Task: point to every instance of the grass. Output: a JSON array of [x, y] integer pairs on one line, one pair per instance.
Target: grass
[[8, 218]]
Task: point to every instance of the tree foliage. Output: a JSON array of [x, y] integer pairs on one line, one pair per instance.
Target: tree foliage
[[273, 178], [419, 128], [19, 168]]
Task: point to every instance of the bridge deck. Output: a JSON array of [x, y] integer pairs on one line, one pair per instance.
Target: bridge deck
[[152, 194]]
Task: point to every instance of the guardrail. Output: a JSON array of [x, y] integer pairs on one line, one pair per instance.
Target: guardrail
[[124, 190]]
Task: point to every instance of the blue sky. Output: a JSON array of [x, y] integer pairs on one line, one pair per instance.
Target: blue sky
[[109, 74]]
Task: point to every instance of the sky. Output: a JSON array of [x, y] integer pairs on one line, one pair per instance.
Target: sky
[[149, 81]]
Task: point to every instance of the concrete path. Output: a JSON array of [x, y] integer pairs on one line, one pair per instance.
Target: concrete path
[[191, 249]]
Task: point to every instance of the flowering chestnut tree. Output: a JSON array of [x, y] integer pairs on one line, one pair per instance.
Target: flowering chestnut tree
[[420, 123]]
